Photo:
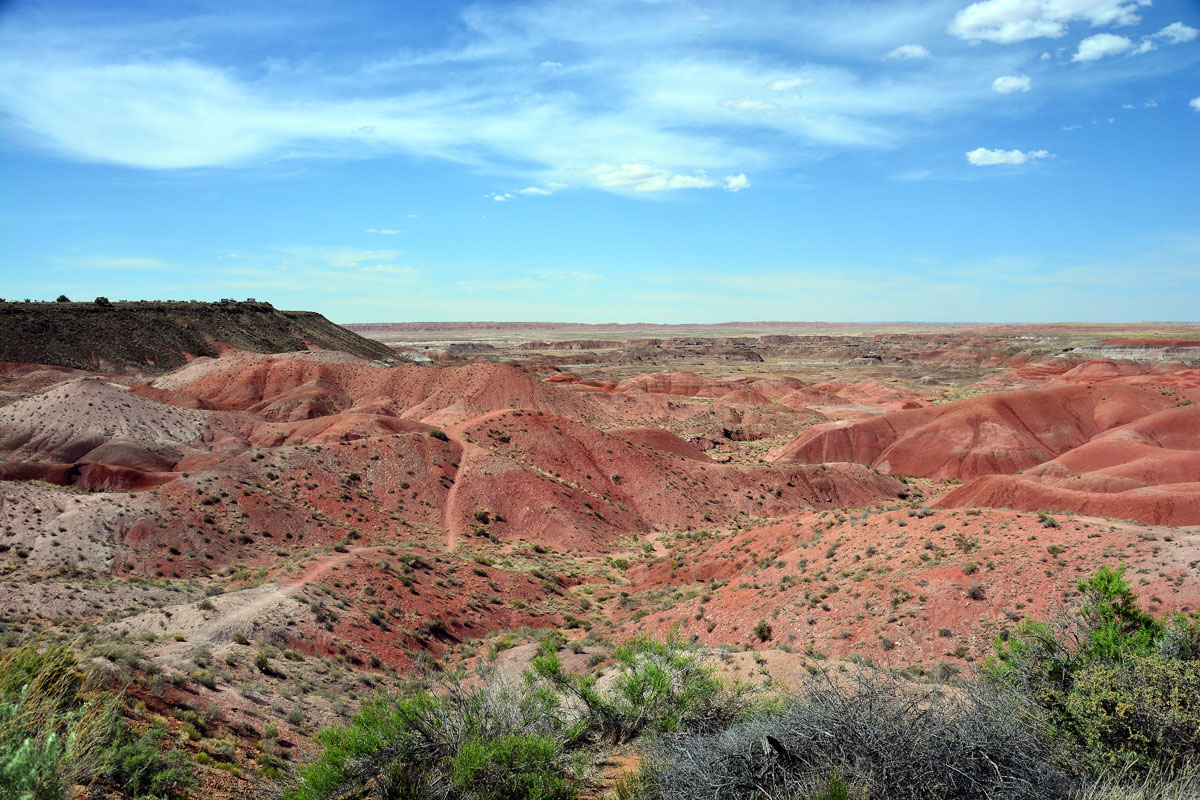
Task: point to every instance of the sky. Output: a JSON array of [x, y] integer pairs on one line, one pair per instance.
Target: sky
[[608, 160]]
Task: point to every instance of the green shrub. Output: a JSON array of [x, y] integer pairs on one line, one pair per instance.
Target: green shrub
[[142, 768], [1140, 712], [58, 729], [1122, 687], [660, 686], [54, 732], [512, 768], [452, 743]]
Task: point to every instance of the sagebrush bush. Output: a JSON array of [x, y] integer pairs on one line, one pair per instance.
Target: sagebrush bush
[[53, 731], [59, 729], [873, 735]]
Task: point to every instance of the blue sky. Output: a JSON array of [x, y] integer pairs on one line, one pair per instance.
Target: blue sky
[[1006, 160]]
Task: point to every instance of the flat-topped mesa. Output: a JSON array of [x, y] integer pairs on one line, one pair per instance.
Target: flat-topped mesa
[[1186, 350], [154, 336]]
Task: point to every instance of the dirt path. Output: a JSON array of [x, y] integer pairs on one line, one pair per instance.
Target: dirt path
[[450, 511], [217, 632]]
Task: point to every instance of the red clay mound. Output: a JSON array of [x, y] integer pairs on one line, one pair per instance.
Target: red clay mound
[[581, 488], [329, 430], [291, 389], [1103, 369], [659, 439], [1143, 471], [680, 384], [1177, 504], [1001, 433]]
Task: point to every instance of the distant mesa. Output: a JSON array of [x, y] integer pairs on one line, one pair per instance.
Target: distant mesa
[[153, 336]]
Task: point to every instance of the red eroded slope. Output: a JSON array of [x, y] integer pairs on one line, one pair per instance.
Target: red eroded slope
[[1000, 433], [1148, 470], [1175, 504], [284, 389], [890, 584], [549, 476], [659, 439]]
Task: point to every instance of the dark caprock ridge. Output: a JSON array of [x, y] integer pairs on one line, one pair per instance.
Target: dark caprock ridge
[[157, 336]]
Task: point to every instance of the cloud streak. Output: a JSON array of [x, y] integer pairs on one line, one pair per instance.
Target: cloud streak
[[983, 157], [761, 86]]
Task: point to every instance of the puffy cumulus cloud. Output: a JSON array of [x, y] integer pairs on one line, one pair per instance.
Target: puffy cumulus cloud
[[500, 197], [748, 104], [535, 190], [1007, 21], [1101, 45], [735, 183], [646, 178], [983, 157], [1007, 84], [788, 84], [908, 51], [1194, 103]]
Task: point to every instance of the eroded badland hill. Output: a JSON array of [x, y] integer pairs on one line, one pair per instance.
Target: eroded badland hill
[[254, 518]]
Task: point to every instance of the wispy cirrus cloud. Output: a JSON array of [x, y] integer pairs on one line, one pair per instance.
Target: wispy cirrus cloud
[[906, 52], [537, 92], [758, 86]]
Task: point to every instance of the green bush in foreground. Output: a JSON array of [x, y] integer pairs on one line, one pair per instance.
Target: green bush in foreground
[[1122, 687], [660, 686], [487, 743], [57, 731]]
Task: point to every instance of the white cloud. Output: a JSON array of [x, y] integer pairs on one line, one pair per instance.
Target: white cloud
[[1178, 33], [551, 64], [499, 197], [1194, 103], [1101, 45], [648, 95], [384, 231], [735, 183], [748, 104], [1150, 104], [535, 190], [983, 157], [788, 84], [908, 51], [1007, 84], [646, 178], [1071, 127], [1007, 21], [1175, 33]]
